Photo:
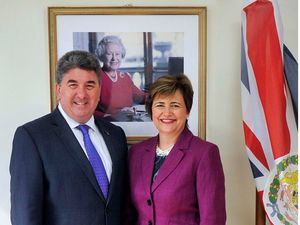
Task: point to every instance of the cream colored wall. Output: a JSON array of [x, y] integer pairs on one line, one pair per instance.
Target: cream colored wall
[[24, 80]]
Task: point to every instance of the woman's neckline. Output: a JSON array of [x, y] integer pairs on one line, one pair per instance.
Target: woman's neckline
[[113, 79], [164, 152]]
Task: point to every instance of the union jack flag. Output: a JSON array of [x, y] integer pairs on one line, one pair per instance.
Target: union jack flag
[[269, 123]]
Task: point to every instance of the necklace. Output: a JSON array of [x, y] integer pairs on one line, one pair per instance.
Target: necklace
[[113, 78], [165, 152]]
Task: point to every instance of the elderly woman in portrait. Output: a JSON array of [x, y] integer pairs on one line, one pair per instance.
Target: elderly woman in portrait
[[117, 89], [175, 177]]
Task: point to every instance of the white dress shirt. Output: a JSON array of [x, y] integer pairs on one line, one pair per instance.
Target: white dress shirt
[[95, 136]]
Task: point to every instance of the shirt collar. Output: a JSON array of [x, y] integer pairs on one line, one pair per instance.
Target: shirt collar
[[72, 123]]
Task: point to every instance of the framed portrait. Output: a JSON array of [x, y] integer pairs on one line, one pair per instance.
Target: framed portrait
[[144, 43]]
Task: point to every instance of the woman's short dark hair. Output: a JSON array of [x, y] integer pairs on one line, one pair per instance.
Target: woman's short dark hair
[[168, 85], [77, 59], [101, 48]]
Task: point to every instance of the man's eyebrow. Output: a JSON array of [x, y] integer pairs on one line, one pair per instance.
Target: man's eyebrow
[[91, 82], [72, 81], [88, 82]]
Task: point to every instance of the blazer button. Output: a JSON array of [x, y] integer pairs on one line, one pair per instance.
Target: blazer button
[[149, 202], [149, 222]]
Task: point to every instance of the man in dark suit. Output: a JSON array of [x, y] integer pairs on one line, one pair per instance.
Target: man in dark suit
[[54, 179]]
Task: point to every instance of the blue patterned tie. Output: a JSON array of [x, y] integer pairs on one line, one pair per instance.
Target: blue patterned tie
[[95, 160]]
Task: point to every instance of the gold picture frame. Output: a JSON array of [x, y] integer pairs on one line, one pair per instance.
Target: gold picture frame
[[190, 21]]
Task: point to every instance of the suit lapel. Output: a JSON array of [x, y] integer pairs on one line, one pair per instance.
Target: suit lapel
[[147, 163], [64, 133], [168, 166], [113, 151], [174, 158]]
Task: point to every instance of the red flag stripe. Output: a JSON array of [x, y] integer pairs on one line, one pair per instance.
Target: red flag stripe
[[254, 145], [265, 55]]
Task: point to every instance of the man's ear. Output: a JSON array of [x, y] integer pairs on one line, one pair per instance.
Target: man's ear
[[57, 92]]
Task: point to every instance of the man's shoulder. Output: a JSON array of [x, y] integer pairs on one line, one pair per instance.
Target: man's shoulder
[[38, 128], [39, 122]]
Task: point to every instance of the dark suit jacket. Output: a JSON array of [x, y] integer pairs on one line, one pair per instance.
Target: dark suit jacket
[[52, 181], [189, 188]]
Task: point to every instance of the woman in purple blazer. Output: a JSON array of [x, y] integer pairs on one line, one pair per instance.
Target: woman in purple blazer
[[176, 178]]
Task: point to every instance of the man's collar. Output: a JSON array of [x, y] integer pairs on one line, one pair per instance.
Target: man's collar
[[72, 123]]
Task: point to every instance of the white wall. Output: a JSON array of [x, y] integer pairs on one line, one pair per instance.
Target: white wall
[[24, 80]]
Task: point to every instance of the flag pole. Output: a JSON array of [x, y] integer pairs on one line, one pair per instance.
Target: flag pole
[[260, 215]]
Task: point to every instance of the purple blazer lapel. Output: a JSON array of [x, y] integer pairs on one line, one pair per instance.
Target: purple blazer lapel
[[174, 158], [147, 163], [168, 167]]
